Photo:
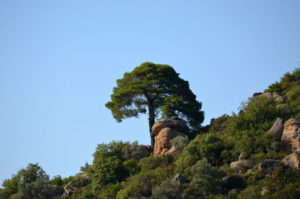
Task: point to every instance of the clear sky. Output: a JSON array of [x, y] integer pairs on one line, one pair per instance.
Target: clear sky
[[60, 59]]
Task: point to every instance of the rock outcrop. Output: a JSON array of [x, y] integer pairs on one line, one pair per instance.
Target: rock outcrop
[[264, 191], [292, 160], [269, 164], [180, 179], [257, 94], [68, 191], [277, 128], [241, 163], [79, 181], [164, 130], [290, 138], [273, 95]]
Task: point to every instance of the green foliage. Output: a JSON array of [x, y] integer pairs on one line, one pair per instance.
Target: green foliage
[[84, 192], [110, 166], [38, 189], [207, 146], [179, 142], [258, 113], [126, 170], [132, 166], [57, 180], [32, 173], [248, 131], [289, 191], [33, 176], [155, 88], [206, 180], [282, 181], [288, 81], [32, 182], [166, 190], [219, 124], [107, 169], [151, 162], [235, 182], [110, 191], [293, 96], [10, 186], [137, 186], [250, 192], [79, 181]]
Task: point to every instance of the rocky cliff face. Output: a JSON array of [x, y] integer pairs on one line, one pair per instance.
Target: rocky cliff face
[[290, 138], [164, 131]]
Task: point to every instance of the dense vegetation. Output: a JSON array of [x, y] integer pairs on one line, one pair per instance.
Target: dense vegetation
[[127, 170]]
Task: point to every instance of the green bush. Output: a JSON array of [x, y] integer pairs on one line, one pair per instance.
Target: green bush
[[137, 186], [108, 167], [131, 166], [107, 170], [235, 182], [288, 81], [166, 190], [206, 180], [219, 124], [151, 162], [57, 180], [110, 191], [208, 146], [179, 142], [293, 96]]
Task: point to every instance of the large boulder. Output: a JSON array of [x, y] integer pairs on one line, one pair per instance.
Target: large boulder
[[173, 123], [241, 163], [269, 164], [162, 141], [292, 160], [290, 138], [164, 131], [277, 128]]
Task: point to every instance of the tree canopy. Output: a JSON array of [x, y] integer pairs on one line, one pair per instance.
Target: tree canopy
[[157, 90]]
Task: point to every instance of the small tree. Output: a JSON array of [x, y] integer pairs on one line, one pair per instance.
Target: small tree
[[154, 89]]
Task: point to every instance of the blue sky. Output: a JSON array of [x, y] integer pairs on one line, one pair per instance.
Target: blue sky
[[59, 61]]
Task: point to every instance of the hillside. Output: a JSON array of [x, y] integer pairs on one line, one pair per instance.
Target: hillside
[[251, 154]]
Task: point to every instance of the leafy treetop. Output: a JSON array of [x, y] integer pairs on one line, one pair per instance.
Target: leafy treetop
[[155, 89]]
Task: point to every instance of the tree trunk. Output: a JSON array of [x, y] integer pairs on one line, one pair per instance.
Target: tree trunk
[[151, 121], [151, 135]]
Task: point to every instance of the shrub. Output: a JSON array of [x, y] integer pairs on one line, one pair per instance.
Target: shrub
[[293, 96], [110, 191], [166, 190], [57, 180], [206, 180], [208, 146], [219, 124], [107, 170], [138, 186], [132, 166], [179, 142]]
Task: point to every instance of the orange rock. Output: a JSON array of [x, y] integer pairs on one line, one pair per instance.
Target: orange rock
[[292, 160], [165, 130], [290, 138]]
